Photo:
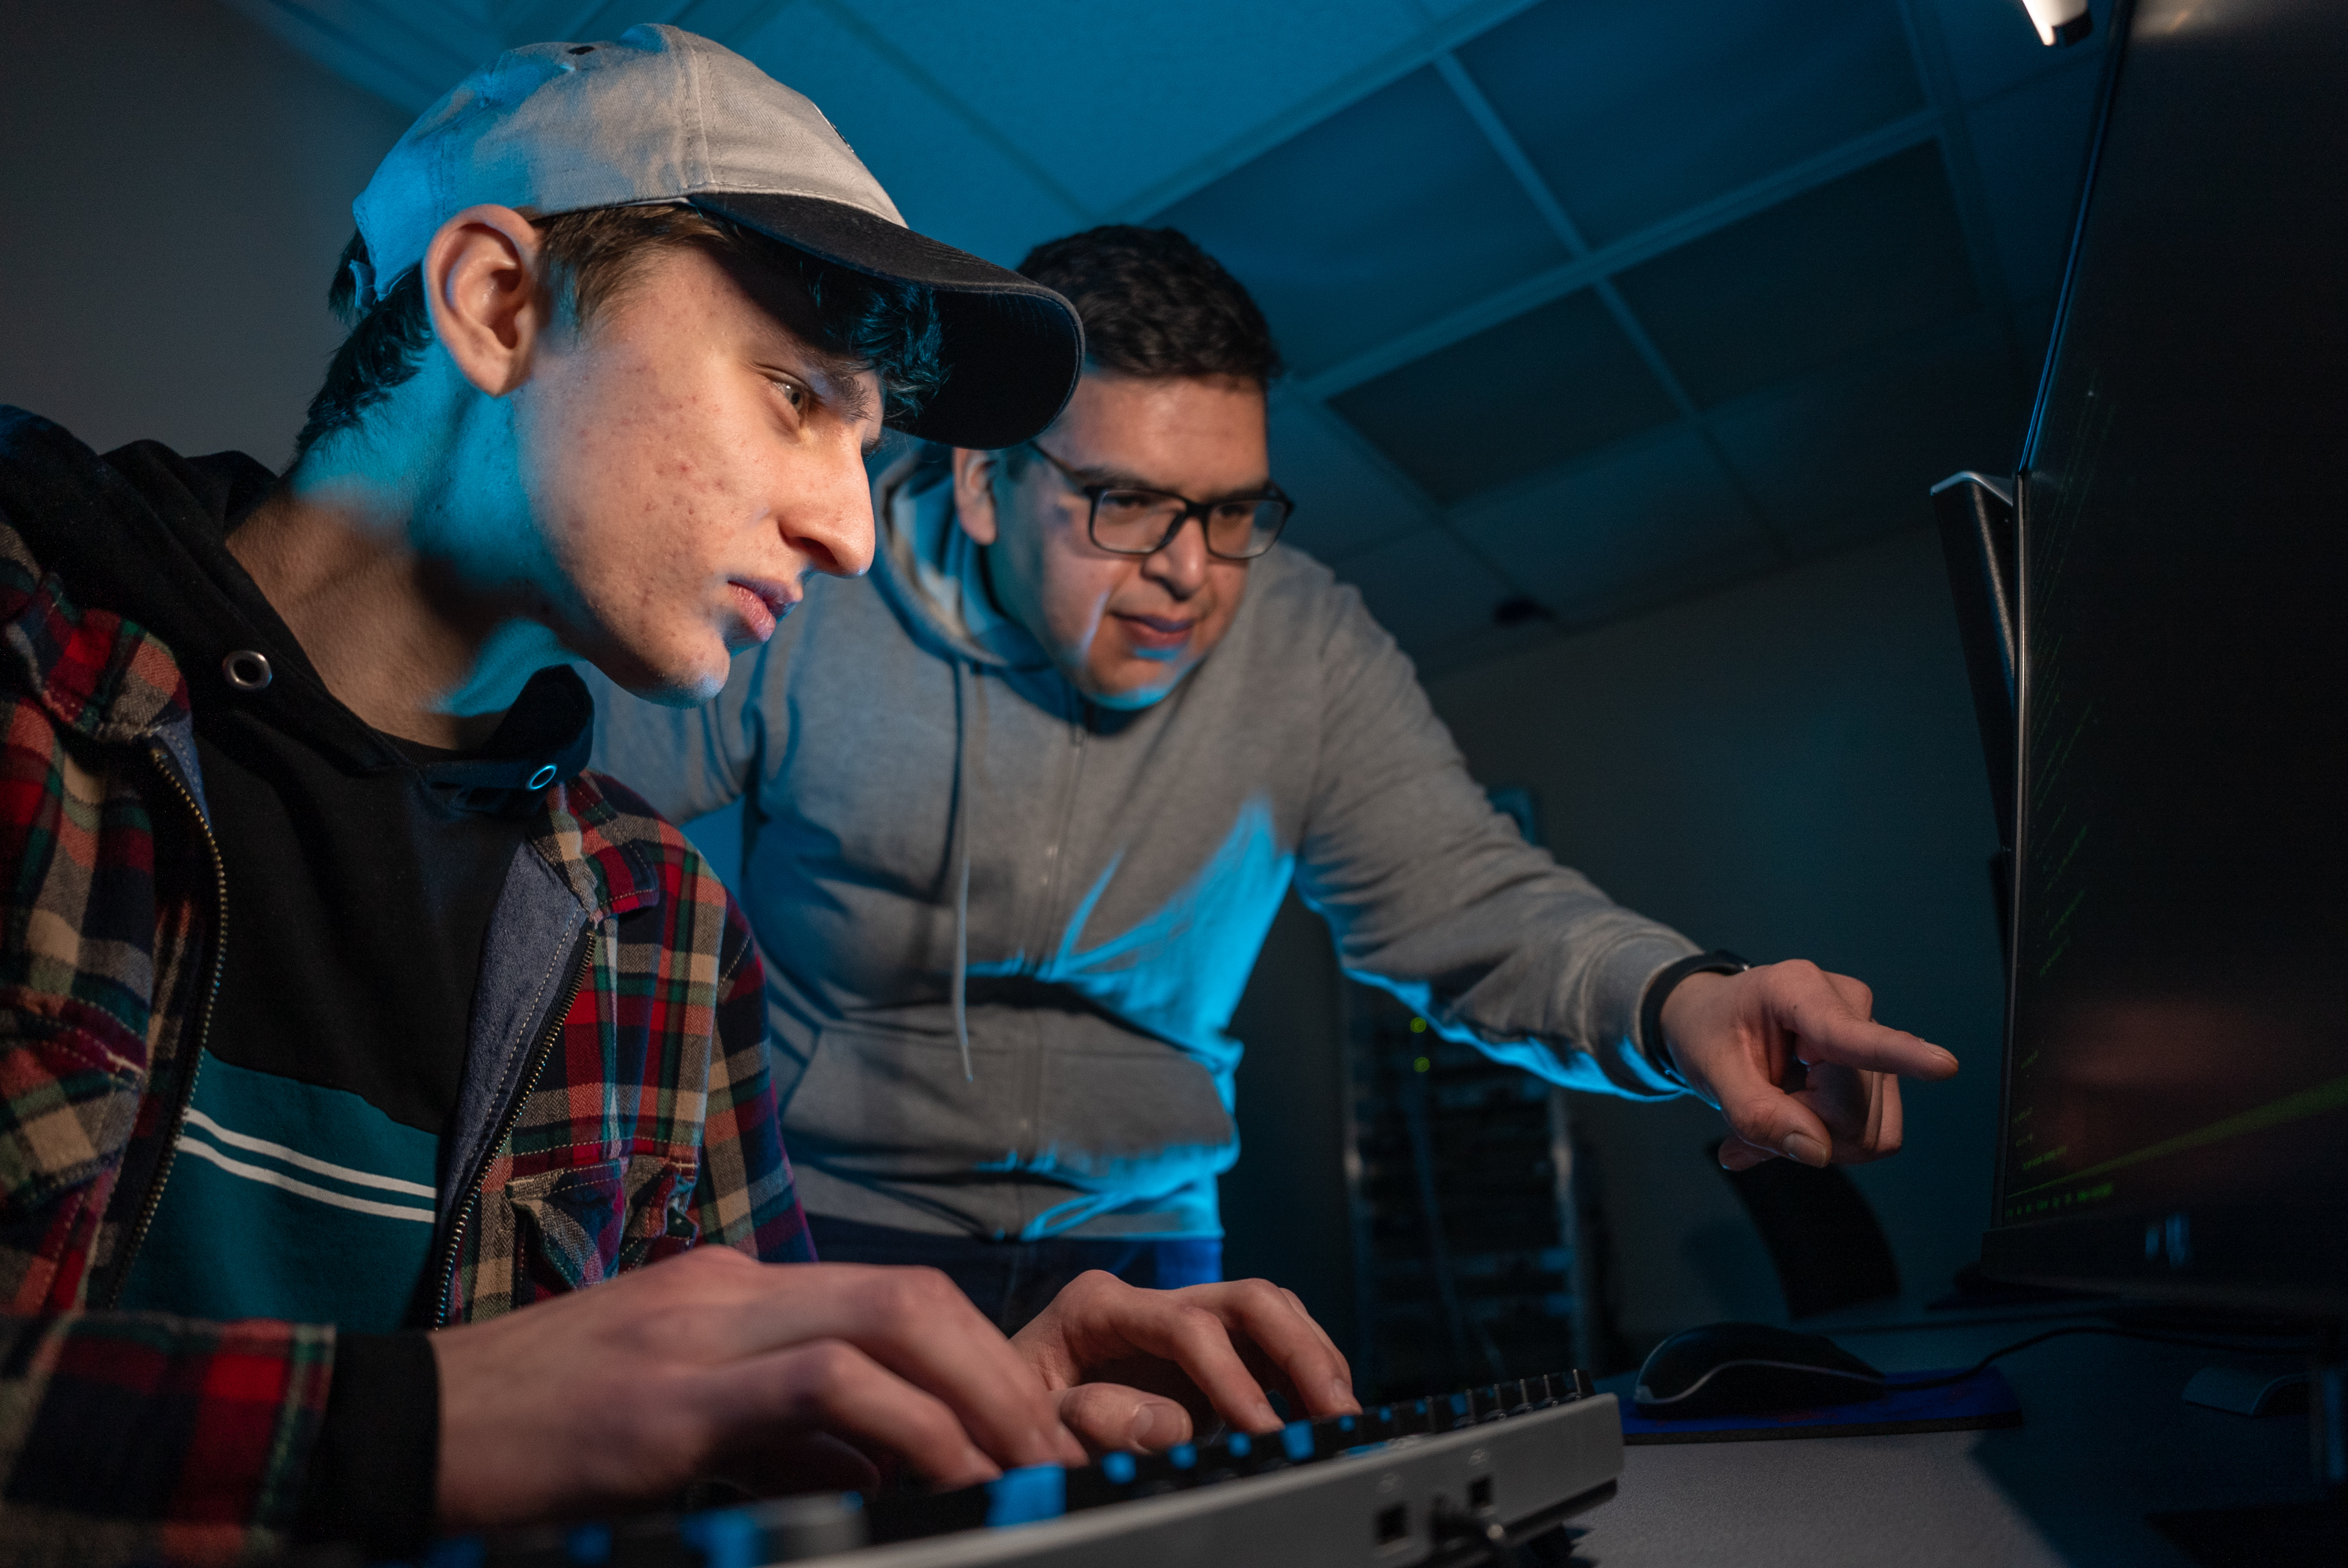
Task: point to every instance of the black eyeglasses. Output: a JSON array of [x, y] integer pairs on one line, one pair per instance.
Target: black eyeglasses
[[1128, 522]]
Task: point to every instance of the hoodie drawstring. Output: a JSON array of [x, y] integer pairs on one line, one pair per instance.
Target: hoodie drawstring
[[960, 841]]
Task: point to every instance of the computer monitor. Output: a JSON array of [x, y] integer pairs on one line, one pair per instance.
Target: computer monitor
[[2174, 1116]]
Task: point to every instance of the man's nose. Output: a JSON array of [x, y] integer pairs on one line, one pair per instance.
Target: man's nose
[[830, 523], [1180, 563]]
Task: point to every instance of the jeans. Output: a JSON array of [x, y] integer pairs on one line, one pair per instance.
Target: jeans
[[1011, 1281]]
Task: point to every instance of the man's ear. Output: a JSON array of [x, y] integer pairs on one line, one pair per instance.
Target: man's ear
[[484, 285], [974, 493]]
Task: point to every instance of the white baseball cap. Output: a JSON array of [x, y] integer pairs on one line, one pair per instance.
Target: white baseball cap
[[661, 116]]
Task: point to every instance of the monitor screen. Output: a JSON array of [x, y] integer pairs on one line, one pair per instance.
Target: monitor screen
[[2176, 1108]]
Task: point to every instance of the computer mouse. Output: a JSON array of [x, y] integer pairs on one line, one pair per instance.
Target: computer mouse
[[1749, 1368]]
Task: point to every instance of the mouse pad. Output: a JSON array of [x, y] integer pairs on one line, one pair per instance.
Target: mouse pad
[[1983, 1399]]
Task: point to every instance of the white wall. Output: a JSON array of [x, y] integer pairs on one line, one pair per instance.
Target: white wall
[[1788, 768], [175, 189]]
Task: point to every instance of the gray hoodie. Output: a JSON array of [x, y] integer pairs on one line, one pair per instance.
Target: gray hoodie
[[1005, 929]]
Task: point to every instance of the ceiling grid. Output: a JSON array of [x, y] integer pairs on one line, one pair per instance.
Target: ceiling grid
[[1607, 260], [1435, 516], [845, 15], [1590, 305], [1928, 41], [1466, 22], [1480, 108]]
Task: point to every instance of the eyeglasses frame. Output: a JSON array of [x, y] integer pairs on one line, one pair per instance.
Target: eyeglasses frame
[[1190, 508]]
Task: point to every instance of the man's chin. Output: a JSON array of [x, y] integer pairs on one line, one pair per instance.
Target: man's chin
[[671, 685], [681, 696], [1143, 684]]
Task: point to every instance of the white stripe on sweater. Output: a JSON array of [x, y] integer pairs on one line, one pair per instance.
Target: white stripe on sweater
[[203, 1151], [296, 1157]]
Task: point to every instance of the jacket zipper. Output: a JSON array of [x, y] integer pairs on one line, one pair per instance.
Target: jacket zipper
[[1080, 731], [543, 1052], [196, 1042], [1048, 912]]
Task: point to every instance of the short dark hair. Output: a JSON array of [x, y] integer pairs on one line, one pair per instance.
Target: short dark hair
[[1155, 304], [593, 257]]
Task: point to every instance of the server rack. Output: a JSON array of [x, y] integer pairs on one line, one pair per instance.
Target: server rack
[[1476, 1247]]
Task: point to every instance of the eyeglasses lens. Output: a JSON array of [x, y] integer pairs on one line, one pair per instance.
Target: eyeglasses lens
[[1136, 522]]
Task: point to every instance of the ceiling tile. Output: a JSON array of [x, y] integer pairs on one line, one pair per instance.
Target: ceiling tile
[[1992, 47], [948, 182], [1512, 400], [1855, 452], [1426, 589], [1632, 113], [1483, 646], [1380, 218], [1855, 262], [1660, 510], [1346, 500], [2030, 146], [1113, 100], [406, 65]]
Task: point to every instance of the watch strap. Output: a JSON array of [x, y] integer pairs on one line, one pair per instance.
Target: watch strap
[[1719, 962]]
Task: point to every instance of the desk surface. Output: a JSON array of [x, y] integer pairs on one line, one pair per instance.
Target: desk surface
[[2106, 1440]]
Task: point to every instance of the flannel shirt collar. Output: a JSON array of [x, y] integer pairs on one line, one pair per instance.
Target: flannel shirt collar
[[596, 844]]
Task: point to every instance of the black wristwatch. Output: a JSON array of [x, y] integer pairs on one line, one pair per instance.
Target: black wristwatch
[[1719, 962]]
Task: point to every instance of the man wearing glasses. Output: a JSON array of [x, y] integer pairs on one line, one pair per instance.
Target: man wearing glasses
[[1023, 804]]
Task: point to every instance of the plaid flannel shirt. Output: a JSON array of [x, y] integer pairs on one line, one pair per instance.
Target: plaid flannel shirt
[[640, 1121]]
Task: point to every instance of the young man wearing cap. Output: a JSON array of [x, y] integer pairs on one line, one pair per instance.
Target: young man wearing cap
[[1023, 804], [338, 1004]]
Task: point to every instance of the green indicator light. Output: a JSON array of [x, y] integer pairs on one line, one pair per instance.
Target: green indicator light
[[1418, 1026], [1421, 1065]]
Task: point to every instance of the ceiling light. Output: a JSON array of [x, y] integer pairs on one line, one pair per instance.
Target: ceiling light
[[2060, 21]]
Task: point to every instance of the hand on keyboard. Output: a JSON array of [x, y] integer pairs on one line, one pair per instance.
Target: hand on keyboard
[[780, 1377], [1150, 1368]]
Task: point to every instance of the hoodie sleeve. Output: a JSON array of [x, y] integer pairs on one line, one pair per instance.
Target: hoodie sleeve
[[686, 762], [1435, 896]]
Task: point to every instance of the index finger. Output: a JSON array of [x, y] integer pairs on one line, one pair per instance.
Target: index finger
[[1837, 1035], [1276, 1325]]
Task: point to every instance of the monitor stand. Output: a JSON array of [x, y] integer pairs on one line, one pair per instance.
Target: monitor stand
[[2289, 1534]]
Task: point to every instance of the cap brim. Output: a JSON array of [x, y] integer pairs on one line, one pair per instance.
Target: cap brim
[[1012, 349]]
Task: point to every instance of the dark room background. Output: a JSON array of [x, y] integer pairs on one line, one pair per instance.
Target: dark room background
[[1625, 341]]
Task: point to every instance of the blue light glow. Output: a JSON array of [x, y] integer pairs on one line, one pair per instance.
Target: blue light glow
[[1025, 1495], [588, 1544], [729, 1538]]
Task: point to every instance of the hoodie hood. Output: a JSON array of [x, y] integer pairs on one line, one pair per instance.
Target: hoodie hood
[[131, 532], [142, 531], [933, 574]]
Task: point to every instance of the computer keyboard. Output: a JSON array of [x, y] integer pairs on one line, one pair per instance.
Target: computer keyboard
[[1451, 1479]]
